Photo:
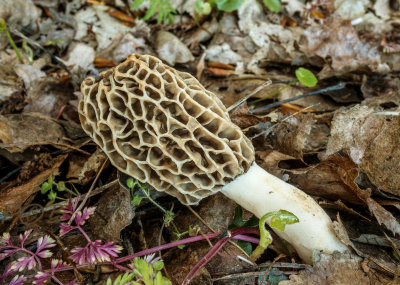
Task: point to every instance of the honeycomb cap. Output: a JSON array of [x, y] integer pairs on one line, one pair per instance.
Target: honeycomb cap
[[162, 127]]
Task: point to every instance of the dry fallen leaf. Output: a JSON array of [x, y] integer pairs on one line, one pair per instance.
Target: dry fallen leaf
[[338, 43], [335, 269], [20, 131], [372, 141], [12, 199], [114, 212]]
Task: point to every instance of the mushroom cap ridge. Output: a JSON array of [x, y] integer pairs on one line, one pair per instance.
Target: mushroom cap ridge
[[162, 127]]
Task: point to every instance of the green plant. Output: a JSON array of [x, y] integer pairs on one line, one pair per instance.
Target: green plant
[[205, 7], [165, 12], [146, 271], [51, 187], [145, 189], [303, 75], [279, 220], [3, 29], [273, 5]]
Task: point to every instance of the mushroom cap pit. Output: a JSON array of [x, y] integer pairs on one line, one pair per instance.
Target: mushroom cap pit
[[162, 127]]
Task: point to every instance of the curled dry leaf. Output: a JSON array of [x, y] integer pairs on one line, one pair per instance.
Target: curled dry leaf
[[11, 200]]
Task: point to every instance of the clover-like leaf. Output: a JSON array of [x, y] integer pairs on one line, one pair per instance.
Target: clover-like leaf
[[306, 77]]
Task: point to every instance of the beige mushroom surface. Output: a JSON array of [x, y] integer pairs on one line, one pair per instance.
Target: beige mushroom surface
[[163, 127]]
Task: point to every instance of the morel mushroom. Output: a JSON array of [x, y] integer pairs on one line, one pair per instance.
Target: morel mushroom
[[163, 127]]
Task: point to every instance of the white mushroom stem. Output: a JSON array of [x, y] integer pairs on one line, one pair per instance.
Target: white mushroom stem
[[260, 192]]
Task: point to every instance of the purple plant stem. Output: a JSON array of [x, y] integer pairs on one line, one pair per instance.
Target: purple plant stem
[[236, 232], [247, 238], [215, 250]]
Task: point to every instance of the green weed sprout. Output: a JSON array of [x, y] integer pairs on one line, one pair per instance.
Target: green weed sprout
[[304, 76], [51, 187], [146, 271], [165, 12], [3, 29], [279, 220]]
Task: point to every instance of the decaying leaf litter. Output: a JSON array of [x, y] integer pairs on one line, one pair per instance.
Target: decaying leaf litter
[[340, 146]]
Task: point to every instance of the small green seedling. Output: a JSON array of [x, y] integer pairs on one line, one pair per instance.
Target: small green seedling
[[145, 272], [279, 220], [3, 29], [51, 187], [303, 75]]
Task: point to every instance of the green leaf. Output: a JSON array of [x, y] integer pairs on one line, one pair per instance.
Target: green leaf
[[158, 265], [273, 5], [228, 5], [136, 200], [45, 187], [51, 180], [246, 246], [203, 7], [52, 195], [130, 183], [151, 11], [136, 4], [238, 221], [3, 25], [282, 218], [238, 218], [61, 186], [306, 77]]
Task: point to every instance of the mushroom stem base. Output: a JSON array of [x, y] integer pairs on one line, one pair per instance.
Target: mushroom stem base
[[260, 192]]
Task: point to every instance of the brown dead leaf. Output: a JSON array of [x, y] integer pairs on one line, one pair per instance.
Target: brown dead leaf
[[241, 117], [12, 199], [383, 216], [114, 212], [47, 95], [19, 131], [120, 15], [221, 65], [84, 170], [335, 269], [220, 72], [103, 62], [338, 43], [372, 142], [290, 136]]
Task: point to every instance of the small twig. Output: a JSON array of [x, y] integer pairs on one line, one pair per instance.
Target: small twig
[[270, 266], [258, 89], [88, 193], [338, 86]]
